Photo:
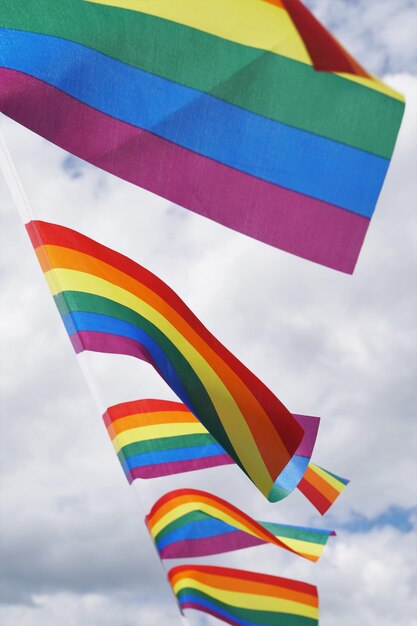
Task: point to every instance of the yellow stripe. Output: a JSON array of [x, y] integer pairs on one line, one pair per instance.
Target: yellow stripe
[[297, 545], [303, 547], [210, 510], [252, 23], [151, 418], [232, 419], [336, 484], [145, 433], [251, 601]]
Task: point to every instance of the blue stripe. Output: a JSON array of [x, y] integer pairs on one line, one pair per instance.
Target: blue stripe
[[170, 456], [283, 155], [292, 473], [210, 527], [190, 597], [95, 322]]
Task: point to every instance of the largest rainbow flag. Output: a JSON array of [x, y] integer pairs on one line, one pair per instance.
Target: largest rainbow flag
[[217, 106], [111, 304]]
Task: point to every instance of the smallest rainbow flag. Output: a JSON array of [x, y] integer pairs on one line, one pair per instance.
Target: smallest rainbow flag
[[321, 487], [189, 523], [154, 438], [243, 598]]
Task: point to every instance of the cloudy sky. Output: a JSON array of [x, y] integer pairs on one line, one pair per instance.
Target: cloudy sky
[[73, 548]]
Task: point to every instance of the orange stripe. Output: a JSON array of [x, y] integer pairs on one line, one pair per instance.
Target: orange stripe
[[136, 407], [167, 507], [276, 3], [239, 517], [250, 587], [152, 419], [268, 440], [173, 504], [321, 485]]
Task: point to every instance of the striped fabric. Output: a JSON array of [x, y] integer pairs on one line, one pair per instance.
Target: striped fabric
[[321, 487], [243, 598], [290, 477], [111, 304], [231, 113], [154, 438], [188, 523]]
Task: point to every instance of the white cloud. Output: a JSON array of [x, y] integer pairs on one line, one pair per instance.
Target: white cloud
[[379, 33], [72, 544]]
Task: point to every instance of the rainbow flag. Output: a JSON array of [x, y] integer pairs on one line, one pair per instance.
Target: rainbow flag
[[154, 438], [222, 100], [321, 487], [243, 598], [111, 304], [188, 523]]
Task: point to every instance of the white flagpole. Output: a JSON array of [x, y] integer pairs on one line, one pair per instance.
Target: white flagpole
[[22, 206], [13, 182]]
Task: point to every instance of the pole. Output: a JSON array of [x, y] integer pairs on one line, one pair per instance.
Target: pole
[[22, 206]]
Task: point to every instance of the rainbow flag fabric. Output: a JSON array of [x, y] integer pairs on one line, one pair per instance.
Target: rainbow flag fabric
[[223, 99], [294, 471], [188, 523], [321, 487], [111, 304], [243, 598], [154, 438]]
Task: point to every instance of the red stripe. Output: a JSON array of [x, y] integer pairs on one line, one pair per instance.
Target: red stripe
[[124, 409], [326, 54], [289, 429], [286, 583], [314, 496], [234, 511]]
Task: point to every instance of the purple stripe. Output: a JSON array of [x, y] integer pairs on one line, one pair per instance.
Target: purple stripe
[[311, 427], [205, 609], [110, 344], [189, 548], [288, 220], [178, 467]]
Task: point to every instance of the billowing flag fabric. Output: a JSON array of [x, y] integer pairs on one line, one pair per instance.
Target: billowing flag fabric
[[290, 477], [111, 304], [217, 106], [154, 438], [188, 523], [321, 487], [243, 598]]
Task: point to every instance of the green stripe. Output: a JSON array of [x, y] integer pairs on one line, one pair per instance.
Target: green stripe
[[189, 518], [267, 84], [292, 532], [342, 481], [73, 301], [278, 530], [263, 618], [167, 443]]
